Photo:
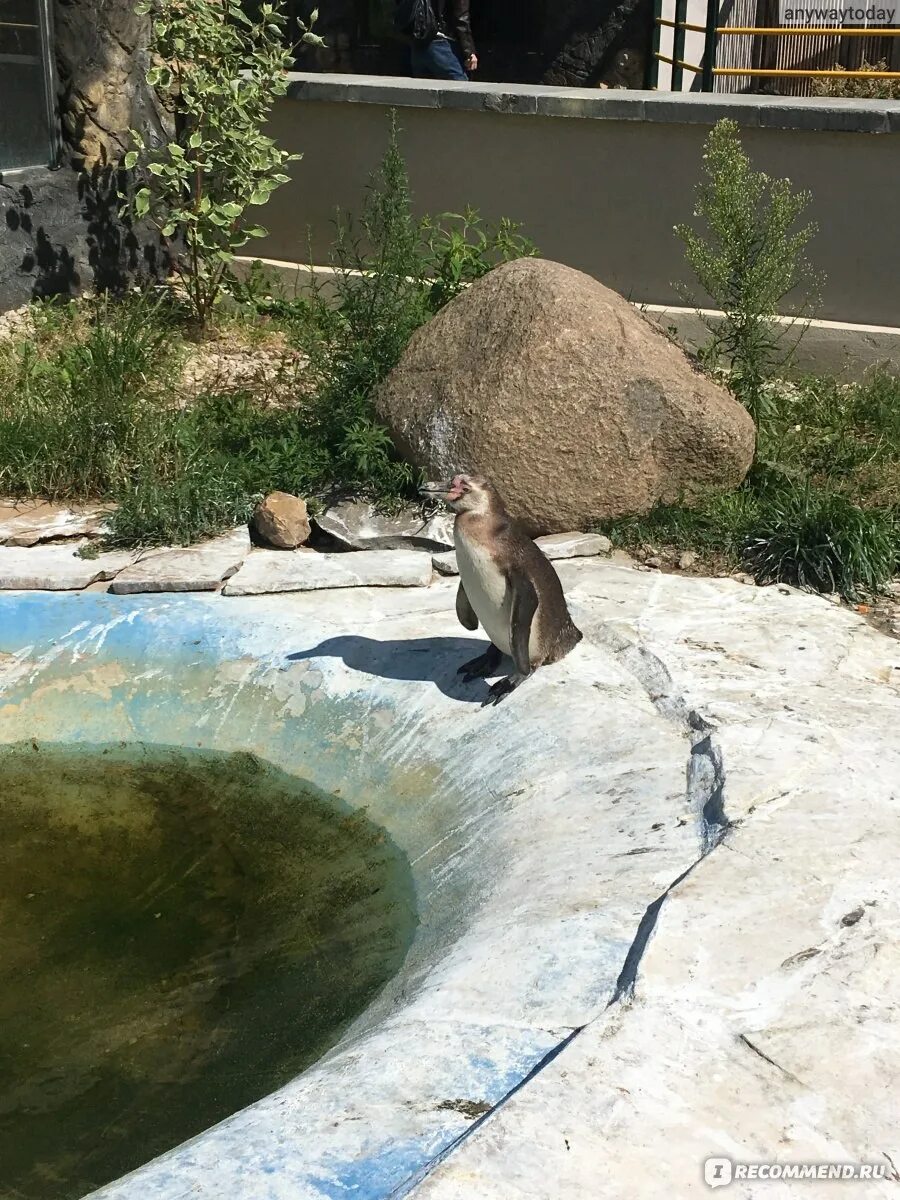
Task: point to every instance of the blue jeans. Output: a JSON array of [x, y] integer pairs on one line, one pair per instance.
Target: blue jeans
[[439, 59]]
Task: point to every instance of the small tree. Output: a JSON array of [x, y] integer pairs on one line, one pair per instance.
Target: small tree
[[751, 260], [221, 72]]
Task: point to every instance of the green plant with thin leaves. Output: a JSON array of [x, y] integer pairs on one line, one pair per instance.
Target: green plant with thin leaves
[[221, 72], [817, 539], [749, 260], [460, 248], [82, 398]]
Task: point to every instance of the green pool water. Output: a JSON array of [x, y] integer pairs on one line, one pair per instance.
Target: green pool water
[[181, 932]]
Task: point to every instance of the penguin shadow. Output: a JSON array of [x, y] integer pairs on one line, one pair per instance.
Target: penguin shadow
[[424, 660]]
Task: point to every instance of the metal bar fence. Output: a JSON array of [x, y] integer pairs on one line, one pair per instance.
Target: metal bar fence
[[821, 42]]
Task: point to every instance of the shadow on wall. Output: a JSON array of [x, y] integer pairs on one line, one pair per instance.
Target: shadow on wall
[[63, 233], [436, 660]]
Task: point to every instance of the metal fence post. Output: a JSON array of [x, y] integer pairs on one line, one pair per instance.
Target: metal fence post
[[678, 44], [709, 46], [651, 74]]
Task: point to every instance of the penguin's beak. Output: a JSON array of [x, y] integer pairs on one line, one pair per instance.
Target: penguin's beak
[[436, 491]]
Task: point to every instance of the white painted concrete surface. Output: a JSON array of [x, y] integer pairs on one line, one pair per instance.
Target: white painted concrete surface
[[674, 995]]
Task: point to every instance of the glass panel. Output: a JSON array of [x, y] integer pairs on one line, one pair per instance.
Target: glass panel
[[25, 130]]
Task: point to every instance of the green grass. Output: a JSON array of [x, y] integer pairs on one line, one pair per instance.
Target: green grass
[[821, 507], [89, 409], [80, 399]]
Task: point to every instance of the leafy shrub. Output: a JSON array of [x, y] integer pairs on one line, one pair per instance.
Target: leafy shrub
[[859, 89], [392, 272], [750, 260], [460, 248], [221, 73], [177, 510], [87, 408]]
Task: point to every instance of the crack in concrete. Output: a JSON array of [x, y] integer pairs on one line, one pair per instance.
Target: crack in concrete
[[704, 788], [742, 1037], [408, 1185], [704, 793]]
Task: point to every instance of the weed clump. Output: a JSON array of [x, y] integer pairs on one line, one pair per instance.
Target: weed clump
[[856, 88], [749, 259], [819, 508]]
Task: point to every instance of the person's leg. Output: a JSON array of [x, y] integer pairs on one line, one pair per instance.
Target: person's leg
[[438, 59], [419, 61]]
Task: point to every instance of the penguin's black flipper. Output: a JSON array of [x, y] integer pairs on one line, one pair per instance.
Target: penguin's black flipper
[[464, 609], [524, 606]]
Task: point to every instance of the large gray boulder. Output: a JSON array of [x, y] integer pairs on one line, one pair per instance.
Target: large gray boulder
[[559, 390]]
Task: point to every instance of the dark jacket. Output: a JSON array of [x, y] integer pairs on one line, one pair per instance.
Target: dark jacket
[[454, 21]]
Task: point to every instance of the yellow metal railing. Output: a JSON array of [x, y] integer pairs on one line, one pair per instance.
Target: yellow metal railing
[[712, 32]]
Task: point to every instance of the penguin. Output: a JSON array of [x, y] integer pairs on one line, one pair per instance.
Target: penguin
[[505, 583]]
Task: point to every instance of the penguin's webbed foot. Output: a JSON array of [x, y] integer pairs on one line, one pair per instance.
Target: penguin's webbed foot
[[502, 688], [483, 665]]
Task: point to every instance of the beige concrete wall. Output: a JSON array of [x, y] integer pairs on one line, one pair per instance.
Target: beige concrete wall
[[601, 194]]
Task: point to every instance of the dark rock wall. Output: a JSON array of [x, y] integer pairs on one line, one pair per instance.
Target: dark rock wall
[[61, 234], [60, 231]]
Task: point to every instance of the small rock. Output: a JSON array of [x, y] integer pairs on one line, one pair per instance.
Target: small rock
[[686, 560], [281, 520], [307, 570], [654, 561], [743, 577], [357, 525]]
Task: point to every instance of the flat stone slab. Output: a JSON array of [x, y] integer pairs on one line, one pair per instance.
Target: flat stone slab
[[199, 568], [357, 525], [306, 570], [29, 525], [574, 545], [57, 568], [554, 545]]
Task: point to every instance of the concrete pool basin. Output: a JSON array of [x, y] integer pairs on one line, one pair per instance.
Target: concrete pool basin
[[544, 837]]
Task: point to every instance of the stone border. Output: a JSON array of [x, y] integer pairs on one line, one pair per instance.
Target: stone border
[[750, 112], [228, 564]]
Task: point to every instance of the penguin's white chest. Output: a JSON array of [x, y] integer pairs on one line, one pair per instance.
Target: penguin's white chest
[[487, 590]]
